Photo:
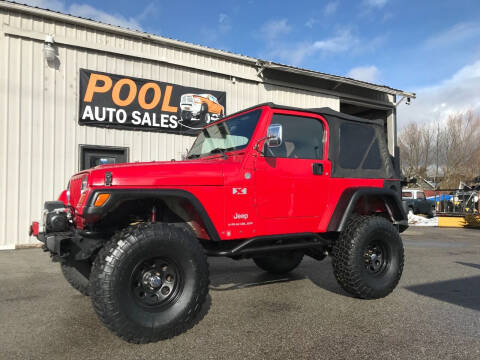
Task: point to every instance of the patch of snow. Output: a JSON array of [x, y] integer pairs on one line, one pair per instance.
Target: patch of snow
[[417, 220]]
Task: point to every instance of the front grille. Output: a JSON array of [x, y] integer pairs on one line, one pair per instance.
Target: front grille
[[187, 100], [75, 188]]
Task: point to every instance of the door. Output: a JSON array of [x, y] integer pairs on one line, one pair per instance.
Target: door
[[91, 156], [292, 180]]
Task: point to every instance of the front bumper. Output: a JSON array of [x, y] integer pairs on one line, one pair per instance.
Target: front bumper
[[61, 238], [75, 245], [58, 244]]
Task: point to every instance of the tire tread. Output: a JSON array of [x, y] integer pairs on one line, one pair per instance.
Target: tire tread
[[75, 279], [344, 257], [103, 273]]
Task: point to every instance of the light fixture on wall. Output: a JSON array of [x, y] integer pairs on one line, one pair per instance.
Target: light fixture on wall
[[48, 49]]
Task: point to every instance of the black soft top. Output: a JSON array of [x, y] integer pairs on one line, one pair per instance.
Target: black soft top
[[358, 147], [323, 111]]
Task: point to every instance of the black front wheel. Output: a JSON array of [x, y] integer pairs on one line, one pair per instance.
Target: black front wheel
[[368, 257], [149, 282]]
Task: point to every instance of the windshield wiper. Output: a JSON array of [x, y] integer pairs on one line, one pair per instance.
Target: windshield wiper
[[211, 152], [222, 151], [219, 150], [193, 156]]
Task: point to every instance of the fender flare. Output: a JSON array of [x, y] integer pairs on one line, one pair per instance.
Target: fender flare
[[348, 200], [118, 196]]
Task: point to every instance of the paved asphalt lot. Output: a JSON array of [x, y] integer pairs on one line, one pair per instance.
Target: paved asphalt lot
[[434, 313]]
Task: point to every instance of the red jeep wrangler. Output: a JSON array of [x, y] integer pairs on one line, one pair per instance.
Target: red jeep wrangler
[[271, 183]]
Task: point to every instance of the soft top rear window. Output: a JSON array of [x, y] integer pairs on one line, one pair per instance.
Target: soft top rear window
[[359, 147]]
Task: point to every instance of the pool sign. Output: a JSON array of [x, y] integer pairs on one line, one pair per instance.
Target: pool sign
[[117, 101]]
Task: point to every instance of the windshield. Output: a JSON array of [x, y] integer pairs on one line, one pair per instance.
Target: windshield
[[232, 134]]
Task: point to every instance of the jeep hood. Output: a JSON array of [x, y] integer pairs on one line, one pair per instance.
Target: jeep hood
[[161, 173]]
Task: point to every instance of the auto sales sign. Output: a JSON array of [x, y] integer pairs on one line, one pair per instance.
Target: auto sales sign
[[117, 101]]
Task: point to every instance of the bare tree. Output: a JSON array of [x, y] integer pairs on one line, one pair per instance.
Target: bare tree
[[460, 148], [415, 148], [450, 147]]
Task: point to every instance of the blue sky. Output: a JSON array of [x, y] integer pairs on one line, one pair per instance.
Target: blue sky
[[429, 47]]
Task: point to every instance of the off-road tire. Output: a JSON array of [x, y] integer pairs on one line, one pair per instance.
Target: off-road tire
[[76, 278], [351, 265], [279, 263], [113, 290]]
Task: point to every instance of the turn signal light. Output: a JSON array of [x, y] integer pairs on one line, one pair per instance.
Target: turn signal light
[[101, 199]]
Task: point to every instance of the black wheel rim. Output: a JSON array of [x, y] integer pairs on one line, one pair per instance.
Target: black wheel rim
[[156, 283], [376, 257]]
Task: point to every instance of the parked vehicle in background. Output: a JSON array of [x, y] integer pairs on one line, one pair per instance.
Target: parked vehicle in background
[[456, 201], [201, 107], [417, 203]]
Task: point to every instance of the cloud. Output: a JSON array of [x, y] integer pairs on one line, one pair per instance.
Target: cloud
[[215, 35], [342, 41], [459, 93], [387, 16], [274, 29], [365, 73], [310, 22], [330, 8], [375, 3], [148, 12], [87, 11], [90, 12], [456, 34], [56, 5], [295, 53], [224, 23]]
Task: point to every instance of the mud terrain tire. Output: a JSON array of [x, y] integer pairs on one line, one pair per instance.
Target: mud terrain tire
[[76, 278], [149, 282], [368, 257], [279, 263]]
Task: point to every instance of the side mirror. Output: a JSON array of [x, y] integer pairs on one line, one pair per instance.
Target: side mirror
[[274, 135]]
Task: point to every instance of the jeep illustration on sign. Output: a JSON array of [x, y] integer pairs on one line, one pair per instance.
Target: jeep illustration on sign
[[201, 108], [117, 101]]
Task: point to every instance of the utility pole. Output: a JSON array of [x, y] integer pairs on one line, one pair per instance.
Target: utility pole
[[437, 135]]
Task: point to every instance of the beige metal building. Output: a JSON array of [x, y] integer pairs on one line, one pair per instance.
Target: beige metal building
[[42, 143]]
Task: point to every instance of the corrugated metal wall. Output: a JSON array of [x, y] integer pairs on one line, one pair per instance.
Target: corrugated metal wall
[[40, 137]]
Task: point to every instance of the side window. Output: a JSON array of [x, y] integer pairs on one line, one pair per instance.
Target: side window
[[302, 138], [359, 148]]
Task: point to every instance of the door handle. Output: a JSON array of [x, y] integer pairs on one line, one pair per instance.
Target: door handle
[[317, 169]]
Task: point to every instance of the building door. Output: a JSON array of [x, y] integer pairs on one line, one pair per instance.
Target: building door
[[292, 180], [91, 156]]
